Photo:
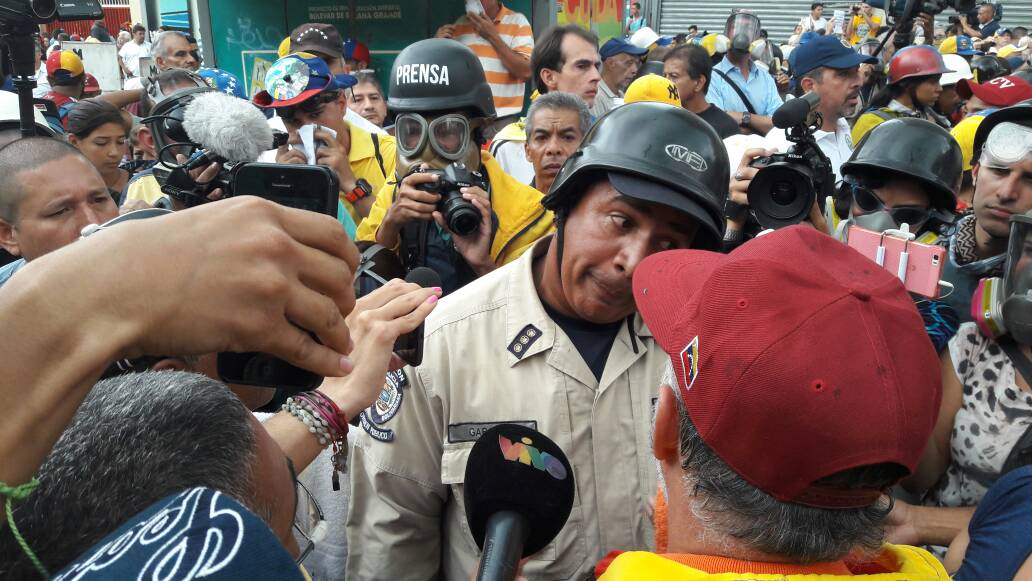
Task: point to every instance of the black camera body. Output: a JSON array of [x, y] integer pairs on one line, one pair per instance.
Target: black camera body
[[784, 190], [460, 215]]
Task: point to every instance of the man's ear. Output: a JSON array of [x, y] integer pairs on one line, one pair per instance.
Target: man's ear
[[526, 150], [171, 364], [974, 173], [666, 444], [548, 78], [806, 84], [8, 238], [146, 139]]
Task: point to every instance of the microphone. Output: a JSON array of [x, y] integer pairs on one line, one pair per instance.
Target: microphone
[[519, 492], [796, 112], [424, 277], [229, 129]]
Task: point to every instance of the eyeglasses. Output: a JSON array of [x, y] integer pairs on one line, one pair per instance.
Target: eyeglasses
[[312, 107], [868, 201], [448, 135], [310, 524]]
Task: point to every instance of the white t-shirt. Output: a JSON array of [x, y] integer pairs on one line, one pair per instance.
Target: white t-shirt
[[808, 23], [131, 54]]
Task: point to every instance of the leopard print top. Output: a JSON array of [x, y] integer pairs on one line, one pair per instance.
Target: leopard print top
[[994, 414]]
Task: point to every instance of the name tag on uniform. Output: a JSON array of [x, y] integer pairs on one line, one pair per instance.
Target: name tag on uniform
[[471, 432]]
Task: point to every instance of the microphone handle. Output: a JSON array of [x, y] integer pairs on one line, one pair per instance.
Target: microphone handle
[[505, 533]]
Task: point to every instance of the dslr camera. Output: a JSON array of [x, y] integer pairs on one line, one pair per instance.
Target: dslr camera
[[460, 215], [785, 188]]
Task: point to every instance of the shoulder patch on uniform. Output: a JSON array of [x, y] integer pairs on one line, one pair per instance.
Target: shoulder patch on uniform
[[523, 341], [380, 434], [388, 402]]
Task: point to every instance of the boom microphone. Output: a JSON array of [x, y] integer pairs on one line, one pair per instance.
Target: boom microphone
[[228, 128], [519, 492], [796, 111]]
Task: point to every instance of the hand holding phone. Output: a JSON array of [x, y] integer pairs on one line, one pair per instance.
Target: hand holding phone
[[918, 266]]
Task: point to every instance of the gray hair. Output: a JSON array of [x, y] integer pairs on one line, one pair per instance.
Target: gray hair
[[160, 46], [559, 102], [136, 439], [728, 507], [370, 78]]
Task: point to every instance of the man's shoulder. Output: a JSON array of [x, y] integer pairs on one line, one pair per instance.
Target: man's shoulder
[[510, 16], [477, 300]]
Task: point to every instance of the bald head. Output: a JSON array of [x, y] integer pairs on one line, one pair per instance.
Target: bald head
[[24, 155]]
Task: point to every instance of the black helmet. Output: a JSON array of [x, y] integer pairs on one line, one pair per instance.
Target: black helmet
[[672, 149], [915, 148], [988, 67], [438, 74]]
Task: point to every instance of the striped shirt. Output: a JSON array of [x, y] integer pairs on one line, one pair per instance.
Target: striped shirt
[[515, 31]]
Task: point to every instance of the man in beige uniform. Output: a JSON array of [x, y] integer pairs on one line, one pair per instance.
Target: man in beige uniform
[[551, 341]]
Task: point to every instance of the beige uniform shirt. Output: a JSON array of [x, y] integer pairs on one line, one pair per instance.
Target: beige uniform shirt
[[493, 355]]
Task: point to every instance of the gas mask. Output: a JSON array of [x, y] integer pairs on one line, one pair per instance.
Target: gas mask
[[743, 29], [1004, 306], [437, 141], [877, 217]]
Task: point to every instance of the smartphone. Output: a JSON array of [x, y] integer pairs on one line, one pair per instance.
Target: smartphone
[[306, 187], [922, 268]]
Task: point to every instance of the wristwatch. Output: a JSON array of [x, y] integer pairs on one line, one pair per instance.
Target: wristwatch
[[746, 119], [362, 189]]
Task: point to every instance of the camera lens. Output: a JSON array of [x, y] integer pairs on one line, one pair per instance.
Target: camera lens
[[783, 193], [463, 220]]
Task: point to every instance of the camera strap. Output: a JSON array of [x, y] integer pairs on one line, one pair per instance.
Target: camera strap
[[741, 93], [379, 156]]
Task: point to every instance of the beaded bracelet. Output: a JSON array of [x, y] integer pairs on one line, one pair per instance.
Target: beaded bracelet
[[329, 424]]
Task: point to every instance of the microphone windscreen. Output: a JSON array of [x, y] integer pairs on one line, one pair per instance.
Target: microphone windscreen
[[231, 128], [795, 111], [424, 277], [512, 467]]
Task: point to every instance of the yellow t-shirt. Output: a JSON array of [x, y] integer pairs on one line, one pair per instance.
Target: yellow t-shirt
[[862, 31]]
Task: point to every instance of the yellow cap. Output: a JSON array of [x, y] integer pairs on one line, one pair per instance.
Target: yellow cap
[[964, 133], [653, 88], [284, 48], [949, 45], [1006, 51]]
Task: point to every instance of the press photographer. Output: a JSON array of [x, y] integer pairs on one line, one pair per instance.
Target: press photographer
[[443, 102]]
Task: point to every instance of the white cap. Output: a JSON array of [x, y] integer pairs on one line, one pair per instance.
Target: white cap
[[959, 67], [644, 37], [9, 111]]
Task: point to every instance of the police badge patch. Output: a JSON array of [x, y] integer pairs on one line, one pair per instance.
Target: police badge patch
[[385, 407], [388, 403]]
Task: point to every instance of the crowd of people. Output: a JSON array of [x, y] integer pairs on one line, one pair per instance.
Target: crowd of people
[[739, 393]]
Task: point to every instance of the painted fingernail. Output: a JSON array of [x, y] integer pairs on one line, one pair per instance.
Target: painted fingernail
[[346, 365], [438, 290], [432, 299]]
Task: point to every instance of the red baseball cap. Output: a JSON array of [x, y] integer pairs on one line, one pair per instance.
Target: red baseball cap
[[797, 358], [92, 84], [999, 92]]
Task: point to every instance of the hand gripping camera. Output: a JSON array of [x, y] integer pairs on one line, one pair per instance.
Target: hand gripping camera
[[785, 188], [461, 216]]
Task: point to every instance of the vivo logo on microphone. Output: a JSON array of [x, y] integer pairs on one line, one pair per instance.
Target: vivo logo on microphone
[[524, 453], [686, 156]]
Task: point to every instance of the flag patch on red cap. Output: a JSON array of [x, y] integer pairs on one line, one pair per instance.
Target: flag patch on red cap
[[690, 363]]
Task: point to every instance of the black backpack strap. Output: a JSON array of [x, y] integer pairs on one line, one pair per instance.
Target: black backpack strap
[[741, 93], [376, 152], [1021, 454]]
